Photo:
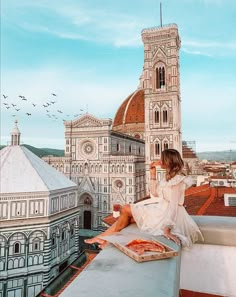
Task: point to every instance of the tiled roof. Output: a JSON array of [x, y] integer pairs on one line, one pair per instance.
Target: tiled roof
[[131, 110], [202, 200], [210, 202]]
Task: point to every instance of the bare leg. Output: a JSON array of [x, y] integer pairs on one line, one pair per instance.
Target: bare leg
[[122, 222]]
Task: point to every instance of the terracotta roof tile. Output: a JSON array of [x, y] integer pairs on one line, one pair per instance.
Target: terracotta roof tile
[[131, 110]]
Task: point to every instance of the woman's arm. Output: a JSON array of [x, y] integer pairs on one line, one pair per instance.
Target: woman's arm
[[153, 181]]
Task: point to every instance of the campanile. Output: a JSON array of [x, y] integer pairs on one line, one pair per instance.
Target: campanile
[[161, 83]]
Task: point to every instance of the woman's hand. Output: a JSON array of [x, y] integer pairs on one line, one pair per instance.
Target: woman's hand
[[170, 236], [153, 169]]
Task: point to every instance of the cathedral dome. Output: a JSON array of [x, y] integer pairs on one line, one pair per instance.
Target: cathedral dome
[[129, 118]]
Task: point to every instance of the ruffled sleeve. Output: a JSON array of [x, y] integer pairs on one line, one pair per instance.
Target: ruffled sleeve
[[188, 181]]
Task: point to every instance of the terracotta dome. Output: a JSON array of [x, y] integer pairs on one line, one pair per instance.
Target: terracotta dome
[[129, 118]]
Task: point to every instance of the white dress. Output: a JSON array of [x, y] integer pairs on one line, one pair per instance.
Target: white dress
[[167, 210]]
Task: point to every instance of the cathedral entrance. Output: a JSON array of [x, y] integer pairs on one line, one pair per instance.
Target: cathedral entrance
[[87, 214], [87, 219]]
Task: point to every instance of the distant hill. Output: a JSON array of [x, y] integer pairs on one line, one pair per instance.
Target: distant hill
[[210, 156], [229, 156], [41, 152]]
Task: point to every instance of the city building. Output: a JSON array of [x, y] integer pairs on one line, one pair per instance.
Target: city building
[[108, 167], [39, 218], [109, 160]]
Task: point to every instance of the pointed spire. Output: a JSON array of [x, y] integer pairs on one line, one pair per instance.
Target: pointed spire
[[15, 135]]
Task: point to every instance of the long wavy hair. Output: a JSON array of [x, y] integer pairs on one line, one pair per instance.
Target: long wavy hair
[[173, 162]]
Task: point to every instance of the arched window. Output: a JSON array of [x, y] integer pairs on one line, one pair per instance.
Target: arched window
[[130, 148], [104, 205], [117, 147], [87, 201], [72, 230], [63, 234], [53, 239], [36, 244], [160, 77], [16, 248], [157, 148], [165, 116], [156, 117], [165, 145]]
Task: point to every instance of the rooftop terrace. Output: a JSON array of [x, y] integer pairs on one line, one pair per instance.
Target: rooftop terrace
[[207, 269]]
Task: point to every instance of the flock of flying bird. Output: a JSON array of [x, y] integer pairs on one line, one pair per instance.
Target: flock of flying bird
[[54, 114]]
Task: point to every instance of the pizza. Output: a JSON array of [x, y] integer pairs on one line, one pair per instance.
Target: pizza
[[140, 246]]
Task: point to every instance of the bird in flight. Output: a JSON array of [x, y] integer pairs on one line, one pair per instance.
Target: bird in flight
[[5, 103], [13, 105], [28, 114], [7, 107], [53, 102], [33, 104], [4, 96], [17, 109], [24, 99], [45, 105], [53, 94], [60, 111]]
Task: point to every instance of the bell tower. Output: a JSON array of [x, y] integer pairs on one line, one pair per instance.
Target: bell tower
[[161, 83]]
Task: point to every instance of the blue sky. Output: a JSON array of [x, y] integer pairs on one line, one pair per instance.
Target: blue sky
[[90, 54]]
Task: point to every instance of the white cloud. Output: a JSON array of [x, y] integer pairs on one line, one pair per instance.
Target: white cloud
[[195, 52], [75, 21], [210, 44]]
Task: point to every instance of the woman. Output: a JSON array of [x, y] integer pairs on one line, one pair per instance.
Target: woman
[[164, 213]]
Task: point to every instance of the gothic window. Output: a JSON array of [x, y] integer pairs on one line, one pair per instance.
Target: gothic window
[[16, 248], [130, 148], [156, 117], [139, 150], [117, 147], [165, 145], [157, 148], [165, 116], [104, 205], [160, 77]]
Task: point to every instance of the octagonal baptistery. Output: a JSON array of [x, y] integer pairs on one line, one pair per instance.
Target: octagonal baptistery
[[129, 118]]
